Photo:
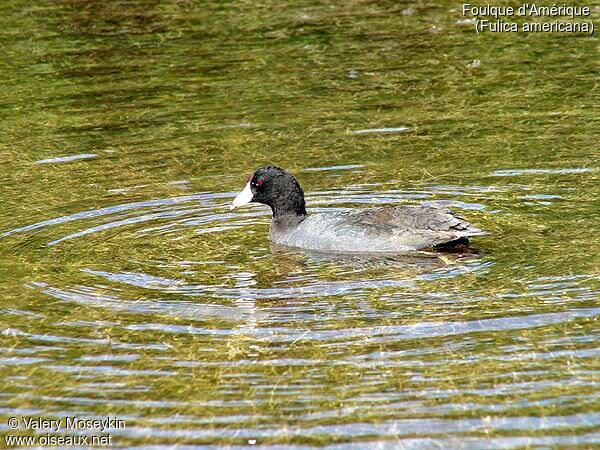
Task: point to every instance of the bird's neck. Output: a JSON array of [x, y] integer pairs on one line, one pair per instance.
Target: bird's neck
[[289, 211], [290, 204]]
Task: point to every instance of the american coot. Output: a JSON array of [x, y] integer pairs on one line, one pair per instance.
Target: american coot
[[386, 229]]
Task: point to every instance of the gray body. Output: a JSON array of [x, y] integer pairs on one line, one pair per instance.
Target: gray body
[[387, 229]]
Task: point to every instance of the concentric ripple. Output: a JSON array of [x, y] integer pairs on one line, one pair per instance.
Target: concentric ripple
[[273, 329]]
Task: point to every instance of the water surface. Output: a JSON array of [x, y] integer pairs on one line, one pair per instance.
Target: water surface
[[130, 289]]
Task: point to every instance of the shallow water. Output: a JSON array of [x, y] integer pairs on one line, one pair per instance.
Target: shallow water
[[130, 290]]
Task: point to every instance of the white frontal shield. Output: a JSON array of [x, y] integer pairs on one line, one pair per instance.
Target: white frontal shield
[[242, 198]]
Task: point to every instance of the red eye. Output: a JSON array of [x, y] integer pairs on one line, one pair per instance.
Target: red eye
[[259, 182]]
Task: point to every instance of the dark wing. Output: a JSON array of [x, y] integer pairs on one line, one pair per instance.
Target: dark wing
[[427, 225]]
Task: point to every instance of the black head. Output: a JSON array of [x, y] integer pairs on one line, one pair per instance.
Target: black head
[[276, 188]]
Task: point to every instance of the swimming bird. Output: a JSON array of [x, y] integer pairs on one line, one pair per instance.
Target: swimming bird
[[390, 229]]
